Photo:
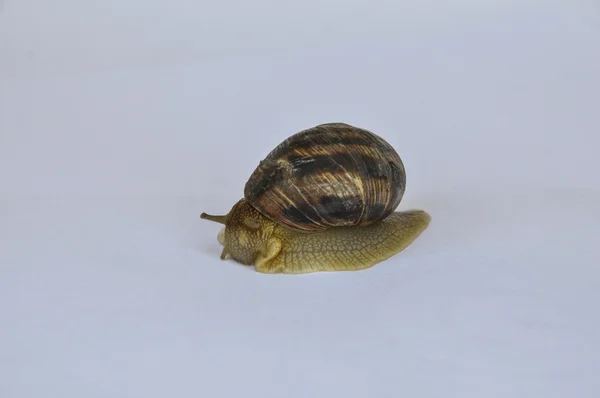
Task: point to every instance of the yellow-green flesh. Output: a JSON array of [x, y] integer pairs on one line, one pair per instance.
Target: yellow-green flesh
[[252, 239], [346, 249]]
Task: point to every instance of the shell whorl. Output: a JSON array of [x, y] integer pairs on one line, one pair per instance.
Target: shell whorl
[[327, 176]]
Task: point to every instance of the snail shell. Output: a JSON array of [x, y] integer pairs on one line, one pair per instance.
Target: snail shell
[[330, 175]]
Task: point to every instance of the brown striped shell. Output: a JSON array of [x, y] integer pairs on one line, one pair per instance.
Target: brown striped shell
[[326, 176]]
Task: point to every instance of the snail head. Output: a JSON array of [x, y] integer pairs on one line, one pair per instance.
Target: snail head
[[246, 232]]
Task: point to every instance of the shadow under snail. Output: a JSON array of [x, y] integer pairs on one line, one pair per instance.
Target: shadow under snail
[[324, 199]]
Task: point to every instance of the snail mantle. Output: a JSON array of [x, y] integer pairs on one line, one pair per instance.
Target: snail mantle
[[323, 200]]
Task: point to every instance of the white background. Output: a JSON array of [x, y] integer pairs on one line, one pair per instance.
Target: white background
[[122, 120]]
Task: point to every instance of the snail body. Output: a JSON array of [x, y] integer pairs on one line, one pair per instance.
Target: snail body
[[324, 199]]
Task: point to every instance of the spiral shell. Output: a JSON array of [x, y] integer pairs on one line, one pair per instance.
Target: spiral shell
[[328, 176]]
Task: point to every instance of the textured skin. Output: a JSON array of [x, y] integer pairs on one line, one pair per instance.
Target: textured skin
[[327, 176], [253, 239]]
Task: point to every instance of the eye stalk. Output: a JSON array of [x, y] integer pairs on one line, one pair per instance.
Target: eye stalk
[[217, 219], [220, 220]]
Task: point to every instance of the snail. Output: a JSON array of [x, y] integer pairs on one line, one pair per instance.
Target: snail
[[323, 200]]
